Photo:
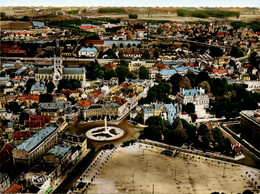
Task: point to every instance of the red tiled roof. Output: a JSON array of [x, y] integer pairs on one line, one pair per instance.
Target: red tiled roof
[[94, 41], [14, 189], [119, 100], [29, 97], [19, 134], [237, 148], [6, 153], [219, 71], [110, 65], [68, 92], [84, 103], [86, 27]]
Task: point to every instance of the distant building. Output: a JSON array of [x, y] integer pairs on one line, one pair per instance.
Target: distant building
[[197, 97], [38, 88], [87, 52], [167, 111]]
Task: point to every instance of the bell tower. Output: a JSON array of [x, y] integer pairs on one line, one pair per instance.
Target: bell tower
[[58, 71]]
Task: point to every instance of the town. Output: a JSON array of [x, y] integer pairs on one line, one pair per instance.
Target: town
[[84, 88]]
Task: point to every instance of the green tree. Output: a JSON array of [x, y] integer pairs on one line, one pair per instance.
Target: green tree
[[109, 73], [236, 52], [215, 51], [122, 73], [143, 73], [205, 85], [203, 130], [121, 45], [189, 108], [23, 116], [29, 85], [128, 45], [50, 87], [46, 98], [133, 16]]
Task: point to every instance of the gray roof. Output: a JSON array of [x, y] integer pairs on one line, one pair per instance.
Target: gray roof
[[45, 70], [73, 71]]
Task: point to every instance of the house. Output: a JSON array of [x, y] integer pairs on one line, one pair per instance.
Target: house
[[196, 96], [87, 52], [38, 88], [132, 55]]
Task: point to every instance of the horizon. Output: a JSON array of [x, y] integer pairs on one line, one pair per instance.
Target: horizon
[[134, 3]]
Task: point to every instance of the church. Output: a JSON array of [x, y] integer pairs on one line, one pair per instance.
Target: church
[[58, 72]]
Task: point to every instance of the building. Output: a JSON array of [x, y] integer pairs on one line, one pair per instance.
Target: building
[[38, 88], [55, 110], [59, 72], [14, 189], [197, 97], [4, 182], [36, 121], [167, 111], [34, 147], [59, 157], [250, 124], [87, 52]]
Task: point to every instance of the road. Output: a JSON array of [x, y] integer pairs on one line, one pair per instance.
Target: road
[[76, 173]]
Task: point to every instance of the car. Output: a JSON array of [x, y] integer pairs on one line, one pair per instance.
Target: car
[[167, 152]]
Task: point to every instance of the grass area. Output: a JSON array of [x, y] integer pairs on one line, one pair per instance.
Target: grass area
[[56, 8], [207, 13], [73, 12], [111, 10]]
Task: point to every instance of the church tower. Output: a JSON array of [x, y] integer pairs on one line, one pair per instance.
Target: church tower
[[58, 71]]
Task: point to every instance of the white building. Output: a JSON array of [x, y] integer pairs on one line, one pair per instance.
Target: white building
[[88, 52], [198, 97]]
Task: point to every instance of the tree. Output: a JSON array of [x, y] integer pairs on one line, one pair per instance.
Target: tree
[[122, 73], [13, 107], [128, 45], [236, 52], [215, 51], [185, 83], [189, 108], [146, 55], [143, 73], [50, 87], [139, 46], [218, 137], [175, 80], [156, 55], [109, 73], [205, 85], [203, 76], [203, 130], [46, 98], [179, 136], [123, 63], [23, 116], [133, 16], [29, 85], [121, 45]]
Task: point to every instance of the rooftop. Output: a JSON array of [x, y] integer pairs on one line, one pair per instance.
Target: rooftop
[[36, 139], [73, 71], [59, 151]]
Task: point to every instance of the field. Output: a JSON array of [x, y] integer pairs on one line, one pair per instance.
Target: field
[[128, 172], [10, 25]]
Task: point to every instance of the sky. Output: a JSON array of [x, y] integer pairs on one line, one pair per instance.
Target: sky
[[135, 3]]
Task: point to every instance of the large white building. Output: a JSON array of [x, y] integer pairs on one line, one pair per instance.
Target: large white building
[[196, 96]]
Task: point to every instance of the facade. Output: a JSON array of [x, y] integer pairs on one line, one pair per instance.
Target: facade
[[34, 147], [197, 97], [87, 52], [250, 121], [59, 72], [4, 182], [167, 111], [55, 110], [38, 88]]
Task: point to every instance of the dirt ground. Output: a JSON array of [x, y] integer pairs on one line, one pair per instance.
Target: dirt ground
[[9, 25], [193, 175]]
